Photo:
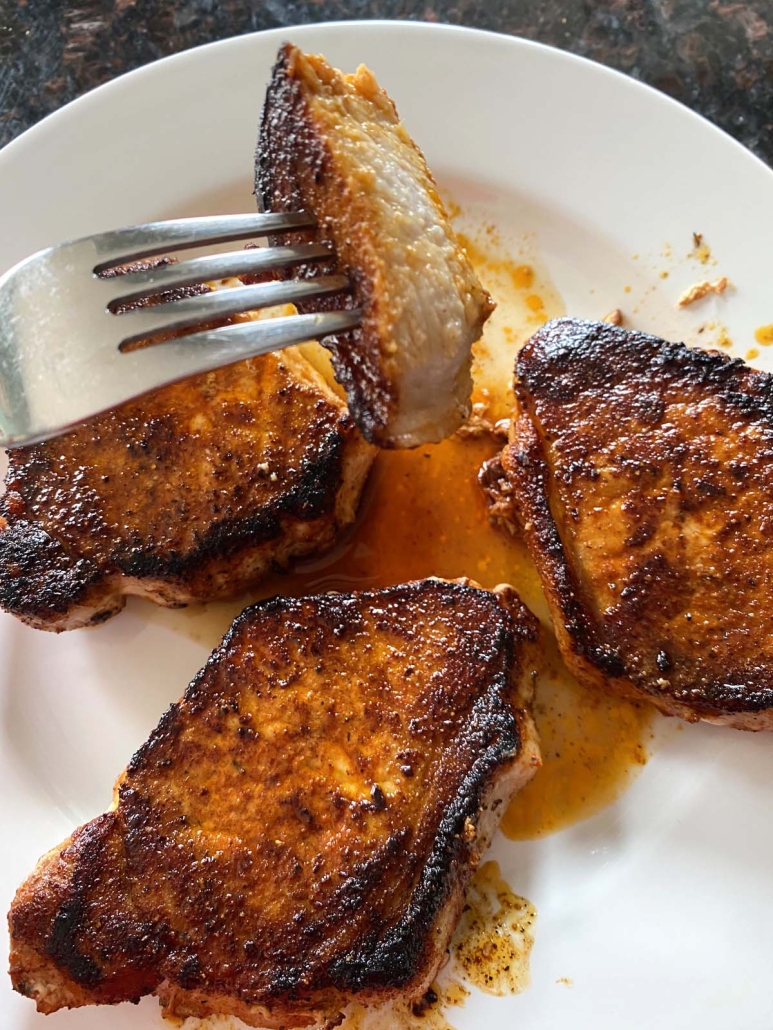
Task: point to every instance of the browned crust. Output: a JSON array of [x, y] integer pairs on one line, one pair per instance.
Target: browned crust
[[192, 493], [138, 901], [296, 170], [572, 365]]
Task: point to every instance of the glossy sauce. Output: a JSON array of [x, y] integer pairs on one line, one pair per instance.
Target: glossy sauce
[[592, 746], [423, 514]]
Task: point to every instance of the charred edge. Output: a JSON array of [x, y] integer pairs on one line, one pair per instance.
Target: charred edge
[[533, 475], [340, 604], [38, 577], [282, 96], [394, 956], [62, 948], [292, 162], [170, 724], [310, 498], [719, 697], [196, 694], [340, 610], [71, 920], [568, 356]]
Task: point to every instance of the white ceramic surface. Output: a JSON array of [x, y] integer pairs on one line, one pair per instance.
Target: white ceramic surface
[[660, 909]]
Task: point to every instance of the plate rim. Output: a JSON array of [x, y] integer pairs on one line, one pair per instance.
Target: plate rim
[[95, 95], [101, 93]]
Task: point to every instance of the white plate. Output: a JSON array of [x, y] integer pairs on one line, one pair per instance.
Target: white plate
[[660, 908]]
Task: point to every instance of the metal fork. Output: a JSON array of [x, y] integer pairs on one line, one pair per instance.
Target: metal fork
[[65, 352]]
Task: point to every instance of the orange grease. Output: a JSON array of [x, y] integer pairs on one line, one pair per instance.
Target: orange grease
[[593, 745], [423, 514]]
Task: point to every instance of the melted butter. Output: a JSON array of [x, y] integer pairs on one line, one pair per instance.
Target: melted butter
[[764, 335], [494, 938], [423, 514]]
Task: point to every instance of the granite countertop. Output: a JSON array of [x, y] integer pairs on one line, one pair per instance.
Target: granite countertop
[[716, 56]]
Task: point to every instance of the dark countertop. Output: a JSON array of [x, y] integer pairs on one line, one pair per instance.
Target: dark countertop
[[716, 56]]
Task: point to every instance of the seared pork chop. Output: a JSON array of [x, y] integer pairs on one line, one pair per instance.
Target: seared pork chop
[[333, 144], [642, 473], [299, 830], [190, 493]]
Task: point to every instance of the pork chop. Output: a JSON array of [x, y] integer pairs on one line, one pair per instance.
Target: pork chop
[[642, 474], [300, 828], [191, 493], [333, 144]]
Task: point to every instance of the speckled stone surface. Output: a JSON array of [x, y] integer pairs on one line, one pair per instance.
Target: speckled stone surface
[[715, 56]]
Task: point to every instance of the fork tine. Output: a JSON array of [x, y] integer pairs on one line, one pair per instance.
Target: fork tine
[[135, 285], [144, 322], [116, 378], [121, 246], [212, 348]]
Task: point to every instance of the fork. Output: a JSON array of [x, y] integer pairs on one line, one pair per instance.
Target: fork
[[66, 344]]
